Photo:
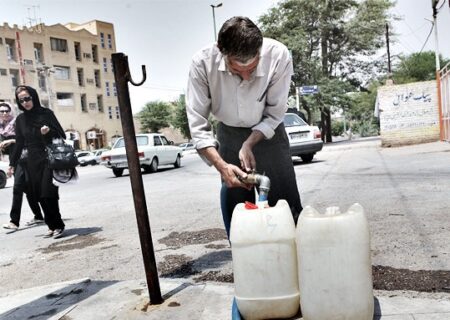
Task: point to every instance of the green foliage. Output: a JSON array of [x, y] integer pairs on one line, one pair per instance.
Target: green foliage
[[330, 42], [419, 66], [337, 128], [180, 120], [155, 115]]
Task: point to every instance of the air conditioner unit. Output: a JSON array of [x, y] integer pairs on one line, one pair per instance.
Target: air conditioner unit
[[91, 135]]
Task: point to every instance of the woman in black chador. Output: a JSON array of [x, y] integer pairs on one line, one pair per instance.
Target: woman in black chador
[[35, 128]]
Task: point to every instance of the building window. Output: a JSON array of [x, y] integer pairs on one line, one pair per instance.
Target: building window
[[3, 72], [109, 41], [97, 78], [15, 80], [102, 39], [105, 65], [77, 47], [117, 113], [62, 73], [108, 93], [38, 53], [94, 53], [42, 82], [110, 116], [112, 66], [65, 99], [100, 103], [83, 103], [80, 75], [114, 89], [11, 49], [58, 44]]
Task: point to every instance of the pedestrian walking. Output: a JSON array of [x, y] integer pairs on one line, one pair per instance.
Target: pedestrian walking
[[243, 80], [7, 133], [36, 127]]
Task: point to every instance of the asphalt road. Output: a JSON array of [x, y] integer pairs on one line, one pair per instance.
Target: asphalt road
[[403, 190]]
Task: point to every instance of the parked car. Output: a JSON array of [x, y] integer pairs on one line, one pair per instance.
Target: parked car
[[304, 140], [153, 149], [85, 157], [3, 169], [188, 148], [89, 157]]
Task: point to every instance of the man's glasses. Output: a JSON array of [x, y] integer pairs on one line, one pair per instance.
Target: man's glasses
[[25, 99], [4, 111]]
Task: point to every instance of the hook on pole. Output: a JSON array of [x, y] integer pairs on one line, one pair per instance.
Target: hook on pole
[[144, 74]]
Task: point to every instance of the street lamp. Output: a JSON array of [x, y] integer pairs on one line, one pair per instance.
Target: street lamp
[[214, 18]]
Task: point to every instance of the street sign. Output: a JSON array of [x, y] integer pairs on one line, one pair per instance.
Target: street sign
[[305, 90]]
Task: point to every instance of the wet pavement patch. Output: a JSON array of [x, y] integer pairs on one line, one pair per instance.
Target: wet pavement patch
[[78, 242], [388, 278], [180, 239], [176, 266]]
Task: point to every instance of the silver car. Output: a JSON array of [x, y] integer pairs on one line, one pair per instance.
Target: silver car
[[304, 140]]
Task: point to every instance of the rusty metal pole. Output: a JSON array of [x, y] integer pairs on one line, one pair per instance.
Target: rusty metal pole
[[122, 76]]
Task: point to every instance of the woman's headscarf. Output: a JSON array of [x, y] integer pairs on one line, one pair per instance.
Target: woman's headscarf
[[38, 115], [7, 128]]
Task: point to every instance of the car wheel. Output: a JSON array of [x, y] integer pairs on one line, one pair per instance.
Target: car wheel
[[83, 164], [118, 172], [93, 163], [154, 165], [177, 162], [307, 157], [2, 179]]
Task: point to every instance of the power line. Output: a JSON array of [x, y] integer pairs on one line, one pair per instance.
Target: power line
[[428, 37]]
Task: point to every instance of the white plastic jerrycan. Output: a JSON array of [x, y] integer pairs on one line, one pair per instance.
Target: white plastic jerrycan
[[334, 265], [264, 261]]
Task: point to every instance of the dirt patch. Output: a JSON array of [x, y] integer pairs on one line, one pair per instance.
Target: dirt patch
[[215, 276], [176, 266], [180, 239], [78, 242], [387, 278]]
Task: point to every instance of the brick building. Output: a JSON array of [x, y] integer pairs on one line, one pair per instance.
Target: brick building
[[71, 68]]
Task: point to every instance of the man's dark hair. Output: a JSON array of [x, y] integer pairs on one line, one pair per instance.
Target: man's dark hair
[[240, 39], [4, 104]]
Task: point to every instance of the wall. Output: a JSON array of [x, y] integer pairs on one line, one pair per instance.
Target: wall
[[408, 113]]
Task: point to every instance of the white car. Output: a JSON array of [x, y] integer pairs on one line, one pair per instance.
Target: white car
[[153, 149], [85, 157], [90, 157], [304, 140], [3, 169]]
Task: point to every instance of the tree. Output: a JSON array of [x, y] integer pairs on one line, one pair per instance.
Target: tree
[[419, 66], [155, 115], [180, 120], [329, 39]]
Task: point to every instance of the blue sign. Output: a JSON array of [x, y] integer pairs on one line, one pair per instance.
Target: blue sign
[[305, 90]]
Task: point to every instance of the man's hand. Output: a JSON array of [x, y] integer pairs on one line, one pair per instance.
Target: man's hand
[[229, 172], [10, 172], [248, 162], [232, 176]]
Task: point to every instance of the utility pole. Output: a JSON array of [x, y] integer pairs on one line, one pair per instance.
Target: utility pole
[[388, 51], [438, 68], [214, 18]]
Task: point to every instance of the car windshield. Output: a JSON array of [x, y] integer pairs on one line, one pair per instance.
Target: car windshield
[[291, 120], [141, 141]]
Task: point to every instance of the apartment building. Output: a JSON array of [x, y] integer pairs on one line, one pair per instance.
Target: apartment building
[[71, 68]]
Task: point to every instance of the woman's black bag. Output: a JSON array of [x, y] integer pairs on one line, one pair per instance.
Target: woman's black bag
[[61, 156]]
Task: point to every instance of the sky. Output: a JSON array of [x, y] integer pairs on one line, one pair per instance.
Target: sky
[[163, 35]]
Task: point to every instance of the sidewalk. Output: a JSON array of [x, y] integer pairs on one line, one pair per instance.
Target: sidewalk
[[85, 299]]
